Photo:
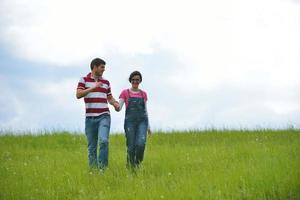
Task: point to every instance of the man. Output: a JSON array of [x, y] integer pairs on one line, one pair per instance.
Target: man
[[97, 92]]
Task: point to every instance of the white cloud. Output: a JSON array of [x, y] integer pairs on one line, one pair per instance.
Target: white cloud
[[41, 105], [66, 32]]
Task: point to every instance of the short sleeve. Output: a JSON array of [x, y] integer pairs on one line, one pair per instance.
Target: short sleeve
[[108, 89], [123, 95], [81, 83]]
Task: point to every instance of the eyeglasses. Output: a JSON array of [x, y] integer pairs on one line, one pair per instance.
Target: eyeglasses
[[136, 80]]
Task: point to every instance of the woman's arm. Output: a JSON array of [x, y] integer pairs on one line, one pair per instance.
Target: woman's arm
[[149, 130], [121, 103]]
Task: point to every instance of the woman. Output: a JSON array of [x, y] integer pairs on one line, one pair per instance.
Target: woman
[[136, 123]]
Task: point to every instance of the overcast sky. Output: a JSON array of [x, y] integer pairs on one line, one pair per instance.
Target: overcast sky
[[221, 64]]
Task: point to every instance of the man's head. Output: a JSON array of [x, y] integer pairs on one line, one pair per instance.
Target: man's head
[[98, 66]]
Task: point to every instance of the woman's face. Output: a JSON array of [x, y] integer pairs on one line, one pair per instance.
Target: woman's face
[[135, 81]]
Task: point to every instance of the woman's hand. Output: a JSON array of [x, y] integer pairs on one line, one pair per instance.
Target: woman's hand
[[116, 106]]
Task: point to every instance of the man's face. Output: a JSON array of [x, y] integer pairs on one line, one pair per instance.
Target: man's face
[[98, 70]]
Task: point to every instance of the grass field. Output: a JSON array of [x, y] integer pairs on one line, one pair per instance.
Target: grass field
[[179, 165]]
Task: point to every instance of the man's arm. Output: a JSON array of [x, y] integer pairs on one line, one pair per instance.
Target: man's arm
[[111, 100], [83, 92]]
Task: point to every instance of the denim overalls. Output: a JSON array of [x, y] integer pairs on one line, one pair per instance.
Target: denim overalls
[[136, 125]]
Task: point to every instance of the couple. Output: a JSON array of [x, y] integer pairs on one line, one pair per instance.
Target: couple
[[96, 92]]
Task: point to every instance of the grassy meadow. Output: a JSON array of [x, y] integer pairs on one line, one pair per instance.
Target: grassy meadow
[[179, 165]]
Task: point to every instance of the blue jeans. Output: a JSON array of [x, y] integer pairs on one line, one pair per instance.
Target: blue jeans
[[136, 135], [97, 132]]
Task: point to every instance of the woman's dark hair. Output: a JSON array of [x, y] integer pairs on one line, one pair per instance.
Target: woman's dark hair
[[97, 62], [135, 73]]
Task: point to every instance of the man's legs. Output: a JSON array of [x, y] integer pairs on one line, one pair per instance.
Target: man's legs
[[103, 136], [92, 137]]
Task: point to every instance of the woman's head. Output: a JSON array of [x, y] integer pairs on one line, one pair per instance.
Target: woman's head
[[135, 78]]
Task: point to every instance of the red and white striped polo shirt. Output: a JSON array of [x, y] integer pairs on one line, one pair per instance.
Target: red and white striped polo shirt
[[95, 102]]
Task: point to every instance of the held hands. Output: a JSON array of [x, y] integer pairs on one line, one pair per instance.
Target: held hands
[[116, 106]]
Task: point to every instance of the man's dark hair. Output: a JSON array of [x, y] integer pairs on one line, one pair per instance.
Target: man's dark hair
[[134, 74], [97, 62]]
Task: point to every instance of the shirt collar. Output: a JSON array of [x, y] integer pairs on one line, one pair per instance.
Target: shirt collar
[[90, 75]]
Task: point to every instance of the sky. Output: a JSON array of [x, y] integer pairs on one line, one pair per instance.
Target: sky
[[205, 64]]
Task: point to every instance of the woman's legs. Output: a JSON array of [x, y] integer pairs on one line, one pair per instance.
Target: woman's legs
[[140, 141], [130, 130]]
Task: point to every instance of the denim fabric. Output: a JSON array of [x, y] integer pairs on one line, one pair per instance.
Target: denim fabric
[[136, 125], [97, 132], [136, 135]]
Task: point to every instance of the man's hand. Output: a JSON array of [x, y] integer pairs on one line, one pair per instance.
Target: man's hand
[[98, 84], [83, 92], [116, 106]]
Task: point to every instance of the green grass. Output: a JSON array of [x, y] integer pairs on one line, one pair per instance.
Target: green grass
[[190, 165]]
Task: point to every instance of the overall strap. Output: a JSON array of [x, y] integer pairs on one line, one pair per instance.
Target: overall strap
[[128, 93]]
